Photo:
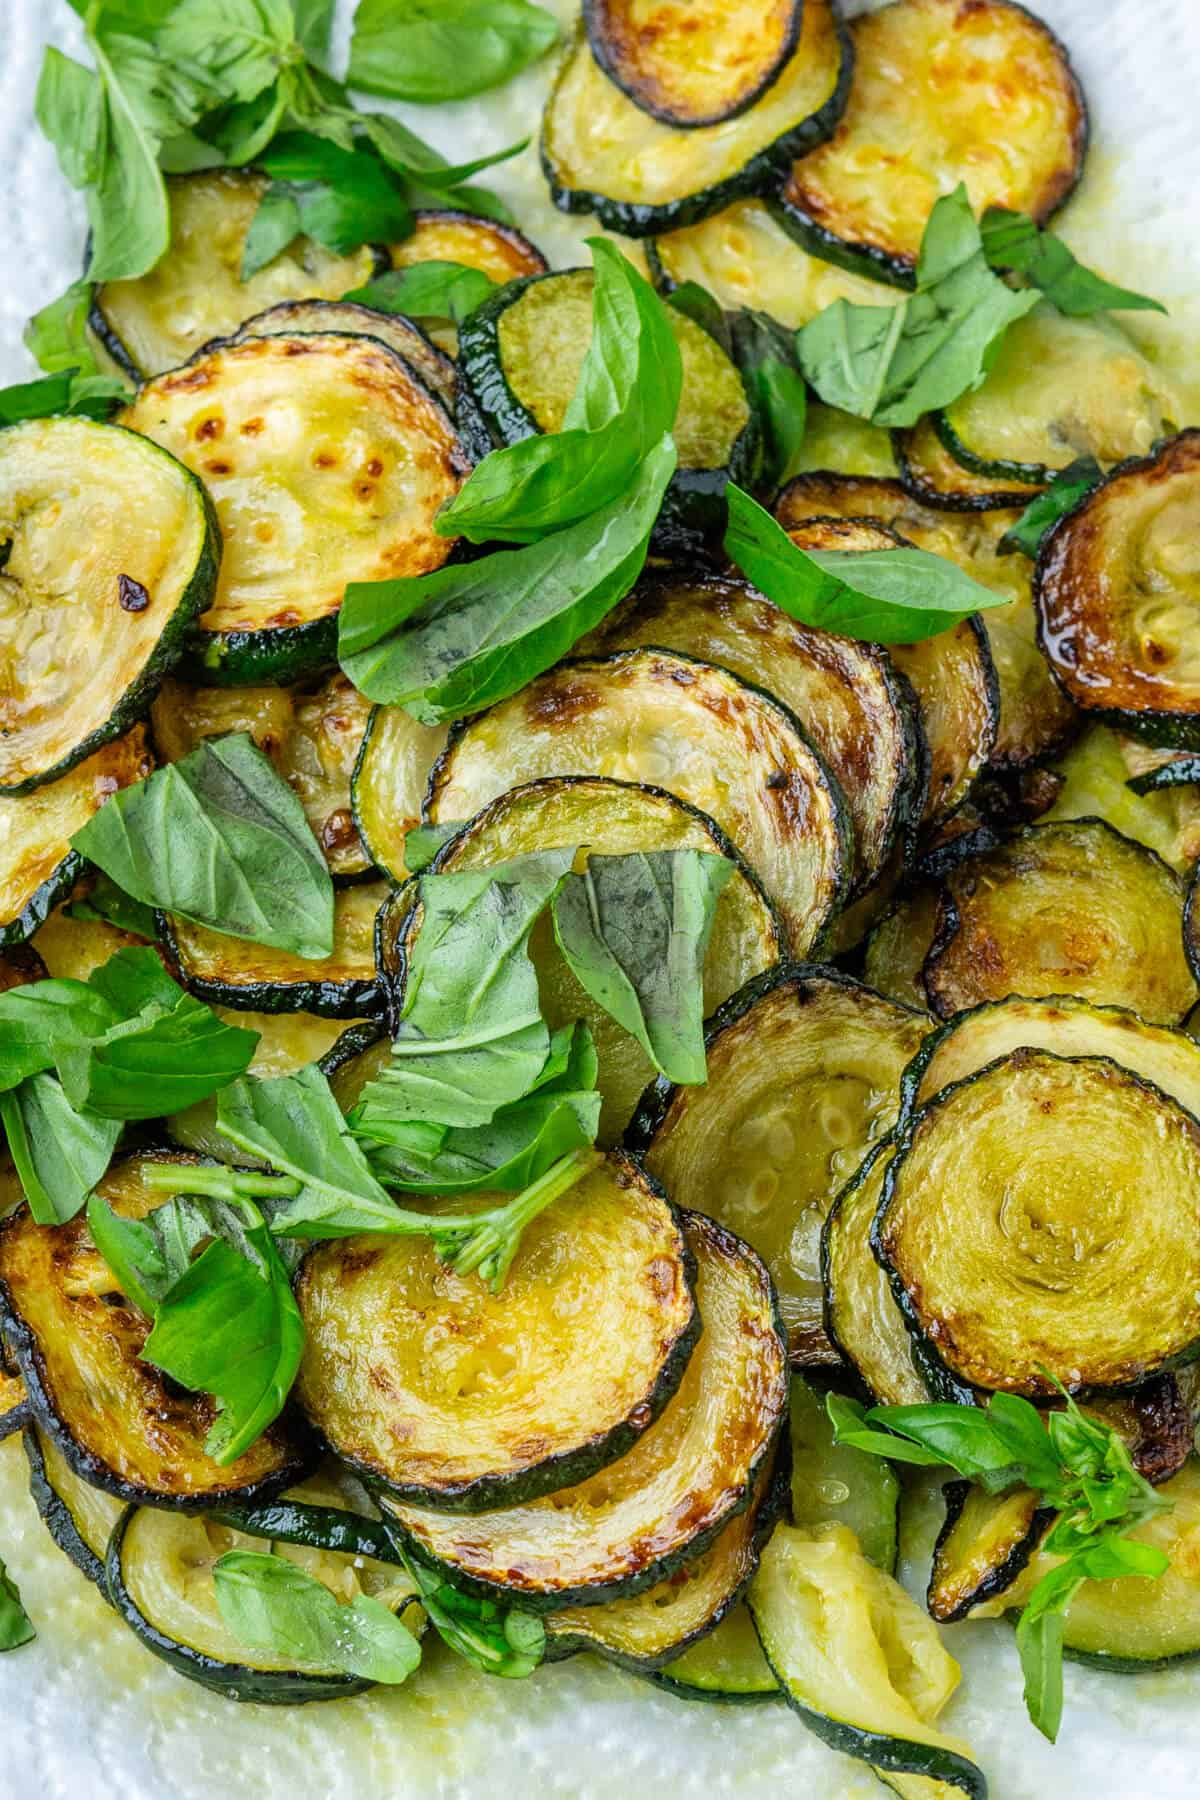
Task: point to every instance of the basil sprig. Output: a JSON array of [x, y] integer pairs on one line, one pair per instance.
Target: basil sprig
[[497, 1639], [271, 1605], [1012, 240], [427, 290], [765, 353], [409, 50]]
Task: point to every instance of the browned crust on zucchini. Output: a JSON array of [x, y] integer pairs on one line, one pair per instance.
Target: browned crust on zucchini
[[693, 62]]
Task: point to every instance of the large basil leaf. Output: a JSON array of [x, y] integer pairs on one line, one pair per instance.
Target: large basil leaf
[[60, 1153], [411, 50]]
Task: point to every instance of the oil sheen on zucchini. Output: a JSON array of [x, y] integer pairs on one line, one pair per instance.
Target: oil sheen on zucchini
[[118, 1423], [614, 819], [327, 458], [690, 64], [669, 1498], [862, 1320], [97, 595], [602, 154], [803, 1074], [689, 727], [79, 1517], [944, 91], [196, 292]]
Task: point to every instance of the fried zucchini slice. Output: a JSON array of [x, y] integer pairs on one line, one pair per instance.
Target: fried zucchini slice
[[936, 478], [395, 758], [985, 1542], [79, 1517], [1009, 1259], [690, 63], [658, 1508], [726, 1666], [1128, 784], [861, 1318], [441, 234], [1070, 908], [118, 1422], [97, 596], [40, 867], [196, 293], [977, 91], [328, 459], [647, 716], [613, 818], [1118, 596], [603, 154], [803, 1075]]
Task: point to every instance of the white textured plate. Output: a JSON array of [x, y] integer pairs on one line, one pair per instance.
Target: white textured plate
[[85, 1711]]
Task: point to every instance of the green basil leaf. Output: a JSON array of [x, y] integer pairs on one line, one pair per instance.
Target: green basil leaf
[[1012, 240], [107, 902], [219, 838], [156, 1063], [60, 1153], [239, 44], [16, 1628], [848, 1419], [427, 290], [57, 336], [70, 108], [410, 155], [423, 842], [135, 1251], [89, 396], [340, 198], [275, 225], [1039, 1645], [41, 1020], [766, 355], [696, 303], [435, 50], [968, 1438], [498, 1640], [470, 634], [314, 26], [1062, 496], [271, 1605]]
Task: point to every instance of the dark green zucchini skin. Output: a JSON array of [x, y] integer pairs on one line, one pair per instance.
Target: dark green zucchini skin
[[890, 1755], [268, 658], [914, 483], [353, 1041], [1184, 771], [817, 239], [954, 1493], [329, 999], [314, 1527], [683, 1690], [15, 1419], [1032, 474], [55, 1515], [57, 887]]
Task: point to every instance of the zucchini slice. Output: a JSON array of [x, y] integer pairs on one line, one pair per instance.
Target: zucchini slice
[[452, 1396], [40, 867], [97, 596], [862, 1320], [14, 1404], [1070, 908], [692, 64], [356, 1058], [602, 154], [859, 1661], [613, 818], [196, 293], [1103, 777], [72, 947], [312, 735], [327, 458], [286, 1042], [936, 478], [79, 1517], [985, 1542], [833, 1484], [117, 1421], [1118, 596], [835, 441], [728, 1665], [1010, 1261], [442, 235], [687, 726], [395, 758], [897, 948], [803, 1074], [639, 1520], [944, 91], [859, 714], [229, 971]]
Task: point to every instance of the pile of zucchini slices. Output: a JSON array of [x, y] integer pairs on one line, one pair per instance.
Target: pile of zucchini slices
[[949, 1143]]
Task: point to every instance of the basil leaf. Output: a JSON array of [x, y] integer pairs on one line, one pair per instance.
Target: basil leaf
[[314, 25], [423, 842], [219, 838], [1012, 240], [69, 107], [634, 930], [1039, 1645], [404, 151], [896, 596], [340, 198], [891, 364], [45, 1018], [16, 1627], [57, 336], [766, 355], [107, 902], [452, 642], [427, 290], [137, 1252], [1062, 496], [696, 303], [156, 1063], [848, 1419], [494, 1638], [271, 1605], [239, 44], [434, 50], [86, 396], [60, 1153]]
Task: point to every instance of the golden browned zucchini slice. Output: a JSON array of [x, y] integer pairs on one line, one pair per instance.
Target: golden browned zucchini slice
[[862, 1320], [985, 1542], [389, 782], [937, 479], [72, 947], [14, 1404], [118, 1422], [1013, 1260], [442, 235], [689, 727], [660, 1507], [693, 62], [1118, 597], [1102, 778], [1070, 908], [803, 1077], [196, 293], [944, 91]]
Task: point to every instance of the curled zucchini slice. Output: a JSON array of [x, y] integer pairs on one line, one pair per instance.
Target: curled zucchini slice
[[803, 1074], [689, 727], [603, 154], [668, 1499], [40, 868], [613, 818], [453, 1396], [985, 1542], [395, 758], [79, 1517], [286, 1042], [1130, 785], [119, 1424], [1009, 1258], [690, 64], [862, 1320], [96, 596], [944, 91], [1118, 596], [327, 458], [196, 293], [1070, 908], [897, 948], [936, 478], [728, 1665]]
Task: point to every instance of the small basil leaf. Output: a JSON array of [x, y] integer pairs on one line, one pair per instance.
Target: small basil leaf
[[496, 1639], [60, 1153], [136, 1254], [1012, 240], [57, 336], [275, 225], [427, 290], [766, 355], [1039, 1645], [423, 842], [1062, 496], [271, 1605], [84, 396], [41, 1020], [16, 1628], [340, 198], [414, 50]]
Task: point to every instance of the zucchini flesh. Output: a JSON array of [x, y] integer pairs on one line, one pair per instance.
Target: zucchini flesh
[[846, 694], [932, 475], [1071, 908], [453, 1396], [40, 867], [602, 154], [1098, 773], [96, 596], [1118, 590], [442, 235], [803, 1072], [835, 1484], [72, 948], [692, 64], [116, 1420], [726, 1665], [944, 91], [835, 441], [390, 776], [79, 1517], [196, 293], [1007, 1258], [897, 948], [229, 971], [286, 1042], [615, 819], [696, 730], [327, 458], [862, 1320], [985, 1542], [661, 1505], [313, 737], [859, 1661]]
